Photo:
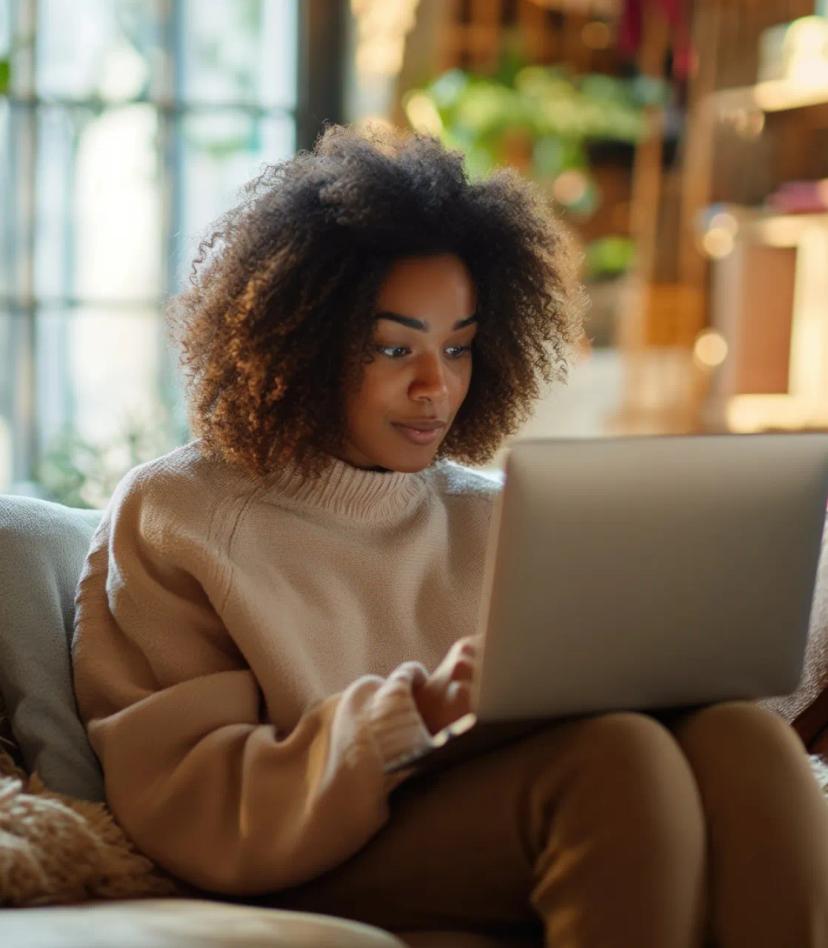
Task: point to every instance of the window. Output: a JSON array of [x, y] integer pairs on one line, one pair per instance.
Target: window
[[126, 126]]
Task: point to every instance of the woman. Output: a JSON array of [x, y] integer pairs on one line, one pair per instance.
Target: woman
[[271, 614]]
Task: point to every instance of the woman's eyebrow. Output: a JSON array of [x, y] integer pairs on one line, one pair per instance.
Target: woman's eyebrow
[[421, 324]]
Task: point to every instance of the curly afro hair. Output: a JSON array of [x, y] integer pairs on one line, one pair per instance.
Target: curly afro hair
[[275, 323]]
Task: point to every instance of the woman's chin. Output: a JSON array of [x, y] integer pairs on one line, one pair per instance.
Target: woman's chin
[[413, 468], [402, 458], [408, 462]]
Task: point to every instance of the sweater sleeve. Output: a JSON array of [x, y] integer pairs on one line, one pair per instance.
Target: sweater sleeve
[[194, 772]]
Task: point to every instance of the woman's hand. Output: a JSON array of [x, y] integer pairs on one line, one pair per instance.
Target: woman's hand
[[445, 695]]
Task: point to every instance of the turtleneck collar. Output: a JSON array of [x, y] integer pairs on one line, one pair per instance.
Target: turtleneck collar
[[350, 492]]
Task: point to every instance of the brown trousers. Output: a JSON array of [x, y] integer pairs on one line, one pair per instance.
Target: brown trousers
[[615, 831]]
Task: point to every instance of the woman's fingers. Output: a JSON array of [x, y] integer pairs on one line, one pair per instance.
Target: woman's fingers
[[470, 645], [459, 698], [463, 669], [466, 657], [446, 695]]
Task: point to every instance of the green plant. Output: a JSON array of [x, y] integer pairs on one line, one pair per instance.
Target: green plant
[[5, 76], [69, 467], [81, 473], [537, 118], [608, 257]]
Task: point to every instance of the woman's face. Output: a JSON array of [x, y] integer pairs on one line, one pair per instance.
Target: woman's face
[[409, 394]]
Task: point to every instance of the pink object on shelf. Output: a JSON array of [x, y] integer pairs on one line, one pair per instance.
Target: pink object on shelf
[[800, 197]]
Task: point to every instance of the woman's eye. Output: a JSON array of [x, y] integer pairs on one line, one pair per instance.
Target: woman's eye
[[393, 352], [457, 352], [399, 352]]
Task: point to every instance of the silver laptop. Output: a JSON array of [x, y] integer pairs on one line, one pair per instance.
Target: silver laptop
[[643, 573]]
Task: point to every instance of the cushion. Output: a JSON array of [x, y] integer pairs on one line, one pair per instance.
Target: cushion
[[42, 549], [162, 923]]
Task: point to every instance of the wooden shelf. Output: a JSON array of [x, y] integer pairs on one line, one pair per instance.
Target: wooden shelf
[[751, 413], [769, 284], [766, 227], [773, 95]]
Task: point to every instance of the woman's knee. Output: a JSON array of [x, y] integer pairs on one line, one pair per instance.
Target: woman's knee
[[637, 741], [632, 754], [625, 777], [735, 726]]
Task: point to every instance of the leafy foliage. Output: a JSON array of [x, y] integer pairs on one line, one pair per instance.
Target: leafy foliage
[[541, 120], [80, 473]]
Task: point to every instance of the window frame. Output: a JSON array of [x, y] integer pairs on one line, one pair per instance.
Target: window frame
[[319, 57]]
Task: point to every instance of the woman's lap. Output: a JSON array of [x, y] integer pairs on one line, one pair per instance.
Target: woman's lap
[[462, 846], [449, 851]]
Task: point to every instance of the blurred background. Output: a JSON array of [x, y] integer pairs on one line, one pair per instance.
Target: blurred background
[[684, 141]]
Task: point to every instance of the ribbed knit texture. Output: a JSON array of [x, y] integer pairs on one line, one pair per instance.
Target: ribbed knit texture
[[245, 654]]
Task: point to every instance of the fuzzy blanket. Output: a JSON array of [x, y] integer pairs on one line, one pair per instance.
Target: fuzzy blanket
[[56, 849]]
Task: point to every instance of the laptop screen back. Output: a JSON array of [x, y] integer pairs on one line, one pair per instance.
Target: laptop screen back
[[649, 572]]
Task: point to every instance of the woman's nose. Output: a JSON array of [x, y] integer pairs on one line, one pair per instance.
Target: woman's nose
[[430, 379]]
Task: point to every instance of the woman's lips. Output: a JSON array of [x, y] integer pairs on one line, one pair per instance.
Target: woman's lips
[[420, 435]]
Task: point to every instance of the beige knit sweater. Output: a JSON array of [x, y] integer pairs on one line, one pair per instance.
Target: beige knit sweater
[[244, 654]]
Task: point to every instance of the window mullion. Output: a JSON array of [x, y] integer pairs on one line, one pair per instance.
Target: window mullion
[[170, 172], [24, 422]]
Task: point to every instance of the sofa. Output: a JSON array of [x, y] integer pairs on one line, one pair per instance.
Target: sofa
[[97, 890]]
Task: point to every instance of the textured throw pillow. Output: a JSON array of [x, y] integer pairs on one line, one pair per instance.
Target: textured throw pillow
[[807, 708], [42, 549], [58, 849]]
